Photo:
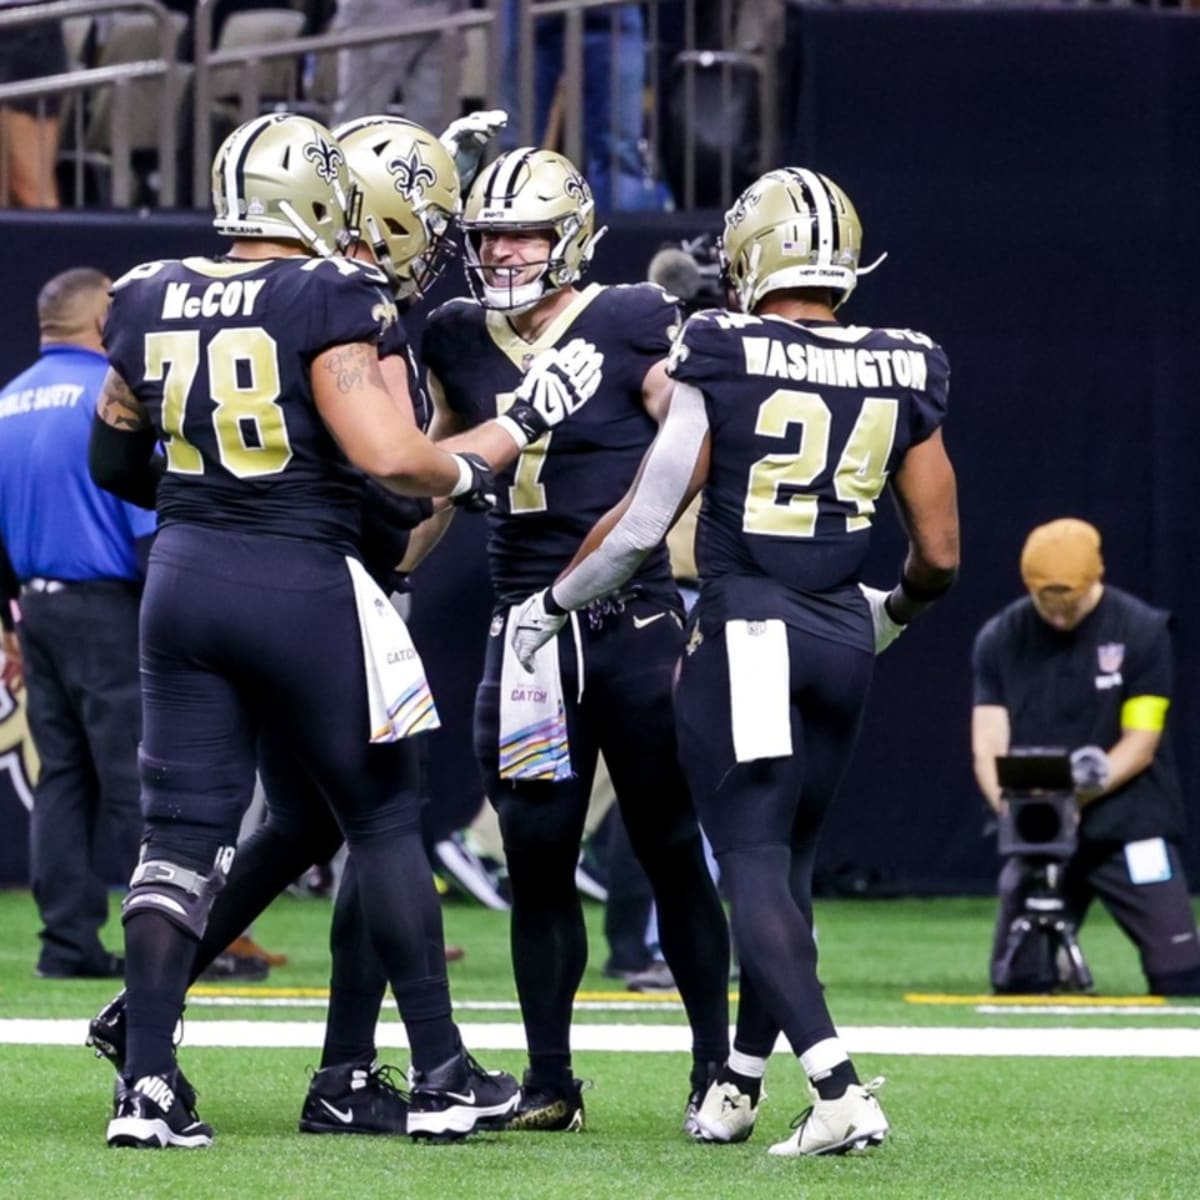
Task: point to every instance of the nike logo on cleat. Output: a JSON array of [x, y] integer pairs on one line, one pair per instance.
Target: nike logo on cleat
[[642, 622], [345, 1116], [468, 1098]]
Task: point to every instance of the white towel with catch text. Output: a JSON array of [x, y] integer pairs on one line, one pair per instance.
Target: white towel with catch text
[[533, 721], [398, 694]]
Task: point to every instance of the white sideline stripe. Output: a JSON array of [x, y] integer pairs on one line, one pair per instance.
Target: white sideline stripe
[[512, 1006], [866, 1039], [1092, 1010]]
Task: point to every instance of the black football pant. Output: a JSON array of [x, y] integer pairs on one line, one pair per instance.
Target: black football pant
[[84, 710], [764, 819], [629, 653], [1156, 917], [301, 830], [239, 634]]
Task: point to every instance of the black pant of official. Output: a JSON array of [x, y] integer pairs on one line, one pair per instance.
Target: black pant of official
[[80, 646], [1157, 917]]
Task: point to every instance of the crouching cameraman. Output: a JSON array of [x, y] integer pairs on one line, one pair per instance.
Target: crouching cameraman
[[1081, 664]]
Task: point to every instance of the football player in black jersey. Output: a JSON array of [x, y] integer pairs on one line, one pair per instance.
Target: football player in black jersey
[[259, 372], [529, 235], [792, 424]]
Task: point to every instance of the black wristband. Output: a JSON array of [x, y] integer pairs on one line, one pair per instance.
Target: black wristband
[[531, 422], [887, 606], [552, 606], [925, 595]]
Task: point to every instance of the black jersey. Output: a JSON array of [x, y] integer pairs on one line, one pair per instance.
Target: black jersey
[[806, 423], [395, 342], [218, 351], [565, 481], [1068, 689]]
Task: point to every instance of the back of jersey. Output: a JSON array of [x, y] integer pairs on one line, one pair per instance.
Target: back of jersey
[[219, 352], [807, 421]]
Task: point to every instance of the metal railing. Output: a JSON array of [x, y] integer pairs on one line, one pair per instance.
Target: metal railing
[[714, 72], [691, 58], [119, 77], [448, 28]]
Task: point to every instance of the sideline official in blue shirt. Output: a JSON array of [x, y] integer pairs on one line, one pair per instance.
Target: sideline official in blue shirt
[[74, 549]]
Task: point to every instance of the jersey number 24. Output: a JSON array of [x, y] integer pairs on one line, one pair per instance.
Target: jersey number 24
[[858, 478]]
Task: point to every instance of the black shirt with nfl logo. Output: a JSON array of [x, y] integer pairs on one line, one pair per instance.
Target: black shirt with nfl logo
[[1067, 689]]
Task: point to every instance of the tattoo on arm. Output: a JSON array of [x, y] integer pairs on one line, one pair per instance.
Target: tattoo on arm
[[118, 406], [354, 366]]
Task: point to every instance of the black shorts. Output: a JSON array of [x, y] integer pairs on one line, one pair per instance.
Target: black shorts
[[31, 52]]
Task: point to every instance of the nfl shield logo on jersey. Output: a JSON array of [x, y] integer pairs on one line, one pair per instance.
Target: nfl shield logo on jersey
[[1110, 656]]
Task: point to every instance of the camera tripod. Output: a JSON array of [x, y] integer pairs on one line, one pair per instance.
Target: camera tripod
[[1053, 959]]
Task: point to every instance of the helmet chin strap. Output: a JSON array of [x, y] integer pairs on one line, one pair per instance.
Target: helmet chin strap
[[383, 258], [308, 234], [868, 270]]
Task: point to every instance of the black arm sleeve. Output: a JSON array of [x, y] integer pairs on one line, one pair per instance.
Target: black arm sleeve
[[10, 589], [386, 521], [124, 463]]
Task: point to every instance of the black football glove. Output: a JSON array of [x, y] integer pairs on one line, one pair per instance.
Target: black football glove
[[479, 495]]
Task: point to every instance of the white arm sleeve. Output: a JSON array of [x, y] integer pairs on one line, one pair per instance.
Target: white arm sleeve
[[666, 473]]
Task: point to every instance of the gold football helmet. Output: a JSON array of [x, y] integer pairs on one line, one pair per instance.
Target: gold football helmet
[[531, 190], [792, 228], [284, 176], [410, 197]]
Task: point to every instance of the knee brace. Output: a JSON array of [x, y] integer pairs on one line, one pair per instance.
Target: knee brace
[[184, 896]]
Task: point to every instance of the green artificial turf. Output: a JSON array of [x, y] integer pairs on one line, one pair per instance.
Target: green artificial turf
[[962, 1127]]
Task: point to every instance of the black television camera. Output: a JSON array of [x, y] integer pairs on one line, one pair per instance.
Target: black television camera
[[1038, 828]]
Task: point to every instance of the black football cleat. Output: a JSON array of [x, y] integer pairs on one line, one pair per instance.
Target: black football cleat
[[555, 1109], [354, 1098], [106, 1032], [151, 1113], [458, 1098], [106, 1036]]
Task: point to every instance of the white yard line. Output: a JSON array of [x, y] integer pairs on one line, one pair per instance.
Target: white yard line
[[511, 1006], [1095, 1010], [867, 1039]]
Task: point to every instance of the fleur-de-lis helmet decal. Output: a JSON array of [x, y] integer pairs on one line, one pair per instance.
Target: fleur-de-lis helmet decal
[[410, 197], [325, 157], [412, 173]]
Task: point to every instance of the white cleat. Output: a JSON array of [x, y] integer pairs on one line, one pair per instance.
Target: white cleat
[[727, 1114], [854, 1121]]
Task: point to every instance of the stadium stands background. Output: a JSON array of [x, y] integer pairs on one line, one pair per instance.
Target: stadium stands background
[[1033, 175]]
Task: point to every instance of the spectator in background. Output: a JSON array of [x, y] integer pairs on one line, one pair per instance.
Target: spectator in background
[[29, 128], [369, 76], [613, 108], [1079, 663], [74, 551]]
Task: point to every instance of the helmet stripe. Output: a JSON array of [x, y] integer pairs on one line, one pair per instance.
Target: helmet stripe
[[826, 227], [504, 177], [235, 161]]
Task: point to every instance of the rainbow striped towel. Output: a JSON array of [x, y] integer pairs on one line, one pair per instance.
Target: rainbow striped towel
[[398, 694], [533, 723]]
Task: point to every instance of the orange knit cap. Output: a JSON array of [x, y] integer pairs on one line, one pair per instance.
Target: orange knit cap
[[1064, 553]]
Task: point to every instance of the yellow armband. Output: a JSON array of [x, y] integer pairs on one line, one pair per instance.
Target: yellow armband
[[1147, 713]]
